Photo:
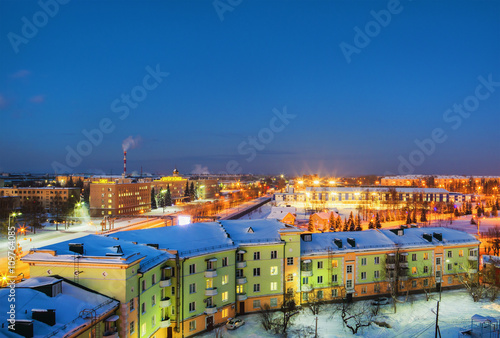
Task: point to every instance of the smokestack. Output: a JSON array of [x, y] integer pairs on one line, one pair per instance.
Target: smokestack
[[124, 164]]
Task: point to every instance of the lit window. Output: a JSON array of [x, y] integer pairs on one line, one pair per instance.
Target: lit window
[[225, 279], [274, 270], [426, 255], [460, 253], [274, 286], [225, 296], [335, 264], [414, 270]]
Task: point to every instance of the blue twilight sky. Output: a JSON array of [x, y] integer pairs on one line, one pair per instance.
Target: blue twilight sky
[[360, 91]]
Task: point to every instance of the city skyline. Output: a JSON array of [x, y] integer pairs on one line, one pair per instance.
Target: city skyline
[[329, 87]]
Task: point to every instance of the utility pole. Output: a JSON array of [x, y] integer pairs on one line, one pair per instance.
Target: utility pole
[[316, 330], [437, 325]]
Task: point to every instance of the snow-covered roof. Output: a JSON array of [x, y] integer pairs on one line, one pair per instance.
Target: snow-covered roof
[[280, 212], [67, 306], [100, 249], [439, 177], [488, 259], [363, 240], [189, 240], [326, 215], [254, 231], [408, 190], [415, 237]]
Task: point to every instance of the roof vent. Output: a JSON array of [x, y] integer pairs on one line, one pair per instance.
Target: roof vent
[[23, 327], [398, 232], [338, 243], [438, 236], [352, 242], [307, 238], [427, 237], [153, 245], [45, 316], [250, 230], [118, 248], [76, 248]]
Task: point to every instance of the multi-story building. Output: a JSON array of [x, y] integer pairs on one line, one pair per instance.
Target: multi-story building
[[439, 181], [370, 263], [175, 183], [56, 307], [49, 197], [179, 281], [371, 196], [119, 197]]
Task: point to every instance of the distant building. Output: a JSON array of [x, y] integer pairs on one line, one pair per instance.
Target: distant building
[[286, 215], [47, 196], [119, 197], [320, 220], [55, 307], [327, 197], [177, 185]]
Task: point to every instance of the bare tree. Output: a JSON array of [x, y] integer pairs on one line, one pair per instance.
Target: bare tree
[[356, 315], [266, 317], [288, 310]]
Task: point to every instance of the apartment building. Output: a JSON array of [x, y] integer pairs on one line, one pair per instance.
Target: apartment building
[[49, 197], [182, 280], [119, 197]]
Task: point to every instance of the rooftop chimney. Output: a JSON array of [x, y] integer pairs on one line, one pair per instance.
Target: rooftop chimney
[[124, 164]]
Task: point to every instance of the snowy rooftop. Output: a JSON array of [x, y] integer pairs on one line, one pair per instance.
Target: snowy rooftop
[[377, 189], [439, 177], [364, 240], [189, 240], [415, 237], [100, 249], [255, 231], [326, 215], [280, 212], [67, 306]]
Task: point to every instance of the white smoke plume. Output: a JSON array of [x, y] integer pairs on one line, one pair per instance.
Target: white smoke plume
[[200, 170], [131, 142]]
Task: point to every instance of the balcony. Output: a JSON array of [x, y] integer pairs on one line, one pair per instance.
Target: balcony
[[241, 296], [165, 302], [390, 266], [165, 282], [306, 273], [211, 309], [165, 322], [472, 258], [306, 288], [241, 280], [211, 292], [403, 264], [241, 265], [403, 278], [210, 273], [112, 333]]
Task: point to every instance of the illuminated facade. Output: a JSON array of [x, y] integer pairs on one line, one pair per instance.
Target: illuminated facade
[[116, 198], [47, 196], [170, 287]]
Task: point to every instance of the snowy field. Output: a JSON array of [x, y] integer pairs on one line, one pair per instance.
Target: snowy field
[[413, 319]]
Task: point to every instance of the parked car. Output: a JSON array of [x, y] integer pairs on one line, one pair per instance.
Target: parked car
[[380, 301], [234, 323]]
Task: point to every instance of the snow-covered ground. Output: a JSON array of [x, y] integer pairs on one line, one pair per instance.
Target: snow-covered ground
[[412, 319]]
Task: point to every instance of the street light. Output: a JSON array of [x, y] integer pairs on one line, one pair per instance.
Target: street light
[[14, 214]]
